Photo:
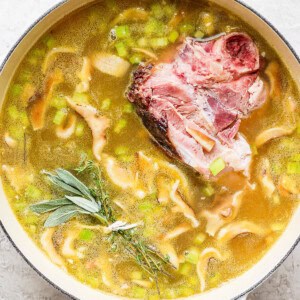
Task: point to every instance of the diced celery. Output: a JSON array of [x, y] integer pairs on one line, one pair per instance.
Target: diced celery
[[154, 27], [24, 118], [139, 292], [58, 102], [136, 58], [295, 157], [25, 75], [173, 36], [122, 31], [171, 294], [276, 199], [157, 43], [128, 108], [200, 238], [86, 235], [157, 11], [59, 117], [121, 124], [120, 150], [16, 132], [169, 10], [154, 297], [186, 291], [199, 34], [146, 206], [93, 281], [254, 150], [130, 42], [185, 269], [192, 255], [126, 158], [79, 129], [16, 90], [33, 192], [81, 98], [105, 105], [137, 275], [39, 53], [276, 168], [32, 219], [33, 60], [187, 29], [13, 112], [121, 49], [49, 41], [293, 167], [142, 42], [208, 190], [217, 166], [215, 279], [298, 128]]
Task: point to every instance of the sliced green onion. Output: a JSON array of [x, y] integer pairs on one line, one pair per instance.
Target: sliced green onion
[[293, 167], [121, 49], [186, 291], [217, 166], [79, 129], [122, 31], [24, 118], [169, 10], [39, 53], [86, 235], [59, 117], [157, 43], [25, 75], [106, 103], [121, 124], [173, 36]]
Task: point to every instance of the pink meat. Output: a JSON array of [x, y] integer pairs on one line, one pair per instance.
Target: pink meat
[[209, 86]]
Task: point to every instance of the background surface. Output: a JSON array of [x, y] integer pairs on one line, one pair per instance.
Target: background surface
[[17, 280]]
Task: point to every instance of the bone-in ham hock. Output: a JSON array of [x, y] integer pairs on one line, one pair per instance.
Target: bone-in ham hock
[[193, 105]]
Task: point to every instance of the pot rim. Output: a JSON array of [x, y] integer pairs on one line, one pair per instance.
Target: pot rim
[[6, 58]]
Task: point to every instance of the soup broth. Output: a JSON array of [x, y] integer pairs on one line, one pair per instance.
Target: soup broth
[[207, 231]]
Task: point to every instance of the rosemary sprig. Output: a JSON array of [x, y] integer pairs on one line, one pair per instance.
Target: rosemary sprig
[[94, 201]]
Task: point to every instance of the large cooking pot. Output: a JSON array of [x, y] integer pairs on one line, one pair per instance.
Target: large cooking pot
[[234, 289]]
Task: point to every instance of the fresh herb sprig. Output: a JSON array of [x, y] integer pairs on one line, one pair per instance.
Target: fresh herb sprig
[[94, 201]]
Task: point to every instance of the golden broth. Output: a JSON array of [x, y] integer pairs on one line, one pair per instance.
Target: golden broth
[[28, 152]]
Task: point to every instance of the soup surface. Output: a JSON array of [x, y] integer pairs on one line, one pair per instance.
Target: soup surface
[[148, 226]]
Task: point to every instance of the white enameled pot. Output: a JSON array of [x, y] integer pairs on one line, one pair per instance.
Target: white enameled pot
[[234, 289]]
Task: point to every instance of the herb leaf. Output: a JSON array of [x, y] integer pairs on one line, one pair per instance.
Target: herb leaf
[[88, 205], [71, 180], [62, 215], [47, 206]]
